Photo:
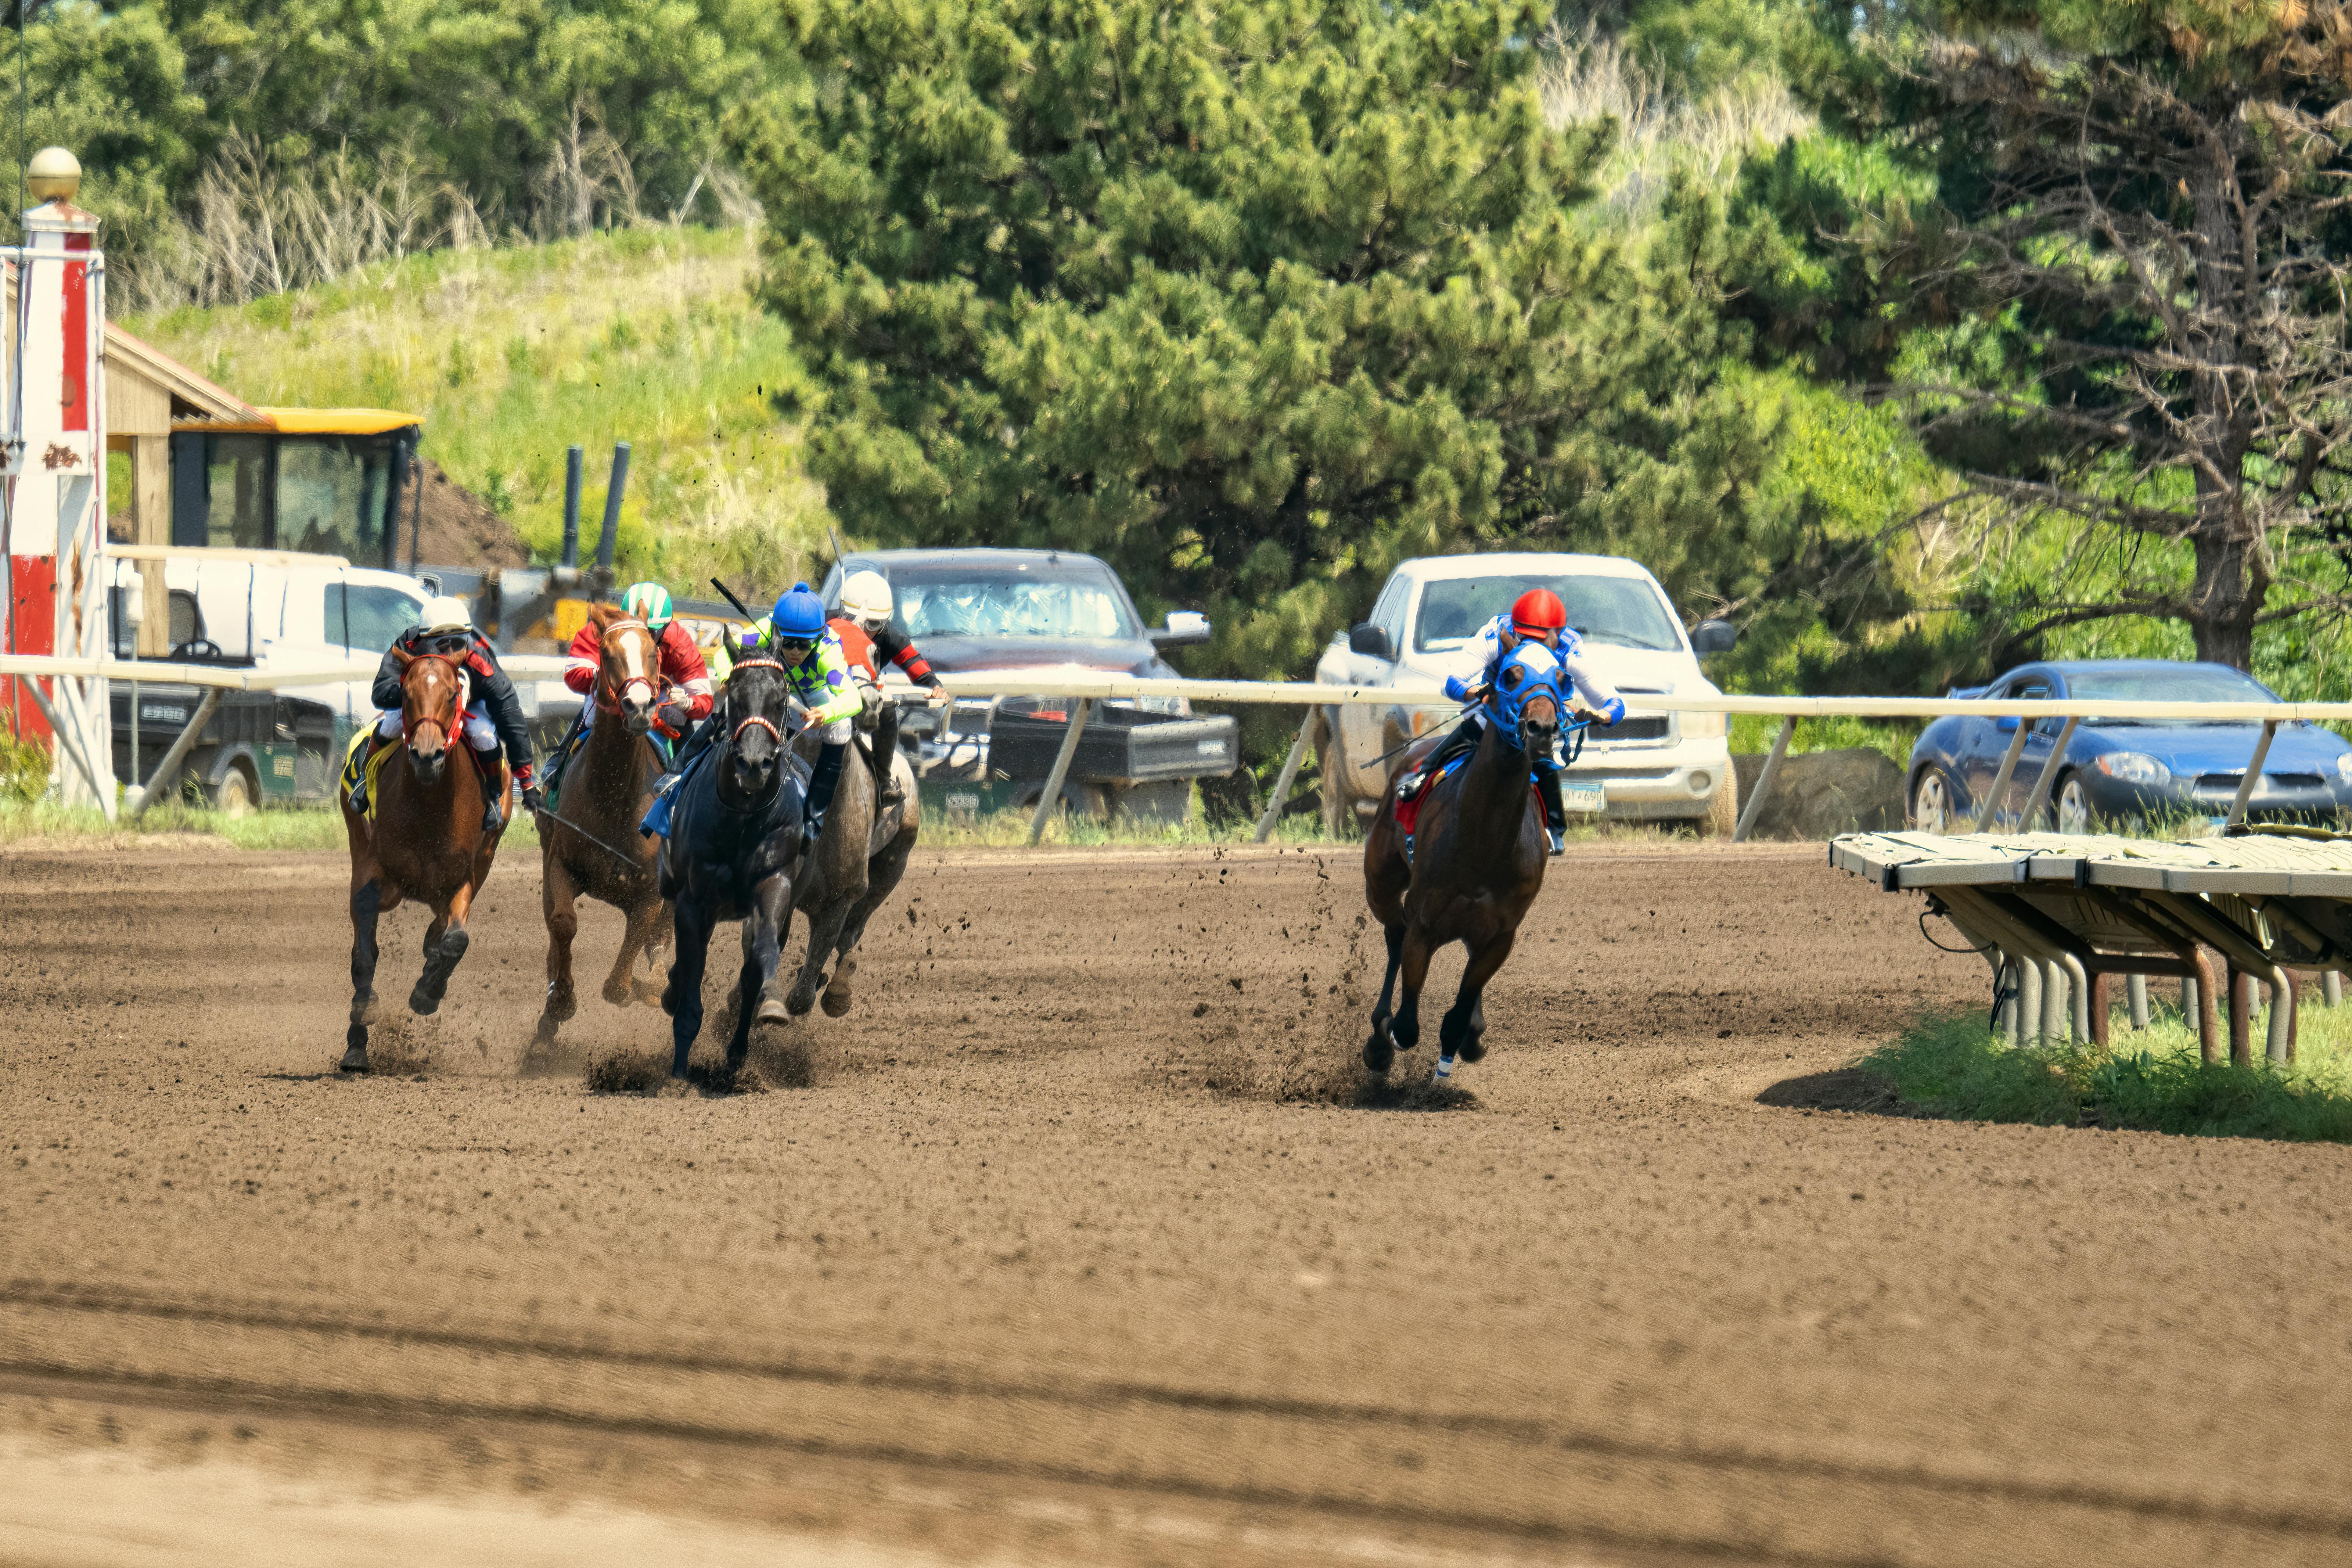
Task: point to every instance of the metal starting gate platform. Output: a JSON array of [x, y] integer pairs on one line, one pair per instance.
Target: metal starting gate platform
[[2059, 915]]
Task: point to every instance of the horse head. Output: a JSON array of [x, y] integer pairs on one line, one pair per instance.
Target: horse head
[[629, 664], [432, 697], [757, 699], [1527, 694]]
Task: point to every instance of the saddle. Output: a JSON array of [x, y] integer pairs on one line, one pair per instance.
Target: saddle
[[363, 757], [551, 780]]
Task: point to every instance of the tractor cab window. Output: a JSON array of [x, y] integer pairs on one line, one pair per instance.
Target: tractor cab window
[[333, 496], [369, 616], [236, 487]]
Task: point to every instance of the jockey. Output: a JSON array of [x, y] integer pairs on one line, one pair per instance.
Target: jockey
[[817, 671], [493, 715], [685, 695], [868, 639], [1539, 614]]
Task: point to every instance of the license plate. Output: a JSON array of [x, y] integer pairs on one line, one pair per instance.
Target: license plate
[[1585, 798], [958, 801]]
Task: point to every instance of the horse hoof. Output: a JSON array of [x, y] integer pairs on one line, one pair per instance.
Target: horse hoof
[[423, 1002], [1377, 1055], [1473, 1050], [836, 1001], [620, 995], [770, 1012], [800, 1002], [669, 1000], [354, 1061], [647, 992]]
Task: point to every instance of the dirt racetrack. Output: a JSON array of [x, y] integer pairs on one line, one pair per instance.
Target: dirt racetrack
[[1076, 1246]]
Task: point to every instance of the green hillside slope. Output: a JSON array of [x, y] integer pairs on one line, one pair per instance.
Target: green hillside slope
[[646, 336]]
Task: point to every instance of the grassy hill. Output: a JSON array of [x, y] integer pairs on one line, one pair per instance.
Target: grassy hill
[[645, 335]]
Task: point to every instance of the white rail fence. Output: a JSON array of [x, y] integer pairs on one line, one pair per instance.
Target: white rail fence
[[1090, 688]]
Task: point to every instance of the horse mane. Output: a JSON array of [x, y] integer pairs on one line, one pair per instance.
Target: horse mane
[[604, 615]]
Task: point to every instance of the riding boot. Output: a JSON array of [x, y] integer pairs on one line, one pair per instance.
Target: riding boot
[[493, 791], [690, 752], [885, 748], [1554, 812], [1460, 742], [824, 779]]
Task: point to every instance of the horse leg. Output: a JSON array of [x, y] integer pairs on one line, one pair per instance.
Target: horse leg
[[1459, 1032], [1380, 1050], [367, 906], [658, 942], [825, 934], [445, 944], [1413, 968], [559, 905], [882, 876], [683, 996], [618, 989], [763, 949]]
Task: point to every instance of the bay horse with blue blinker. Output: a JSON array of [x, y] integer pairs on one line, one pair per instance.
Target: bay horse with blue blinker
[[1470, 868], [427, 843], [734, 849]]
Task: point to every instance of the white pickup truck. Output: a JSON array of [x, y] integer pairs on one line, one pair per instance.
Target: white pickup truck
[[1653, 766], [263, 610]]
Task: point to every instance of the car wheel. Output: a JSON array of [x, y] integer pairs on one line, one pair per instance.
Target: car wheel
[[234, 796], [1722, 818], [1931, 803], [2073, 806]]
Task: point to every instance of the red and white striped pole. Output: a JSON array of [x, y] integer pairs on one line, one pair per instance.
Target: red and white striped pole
[[56, 511]]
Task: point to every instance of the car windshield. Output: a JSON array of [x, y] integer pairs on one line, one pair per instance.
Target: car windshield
[[1625, 611], [1040, 600], [2174, 683]]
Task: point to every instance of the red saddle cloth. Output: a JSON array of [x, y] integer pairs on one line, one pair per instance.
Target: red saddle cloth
[[1408, 808]]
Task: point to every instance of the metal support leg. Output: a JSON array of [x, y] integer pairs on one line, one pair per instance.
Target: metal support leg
[[2254, 775], [1764, 780], [2331, 988], [2188, 1002], [2053, 1002], [1045, 802], [2102, 1006], [2029, 998], [68, 737], [169, 767], [2004, 1011], [1991, 810], [2135, 995], [1309, 728], [2242, 1016], [2282, 1032]]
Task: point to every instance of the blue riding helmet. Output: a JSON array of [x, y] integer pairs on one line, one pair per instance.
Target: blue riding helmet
[[798, 614]]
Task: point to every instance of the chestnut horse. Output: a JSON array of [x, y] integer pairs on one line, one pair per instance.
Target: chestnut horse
[[1476, 865], [589, 844], [426, 842]]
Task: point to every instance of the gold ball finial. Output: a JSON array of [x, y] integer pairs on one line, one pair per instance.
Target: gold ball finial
[[53, 175]]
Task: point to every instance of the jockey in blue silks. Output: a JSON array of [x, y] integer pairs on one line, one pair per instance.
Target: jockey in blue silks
[[1540, 615]]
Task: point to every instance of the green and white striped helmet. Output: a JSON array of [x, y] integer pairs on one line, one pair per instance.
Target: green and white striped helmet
[[648, 602]]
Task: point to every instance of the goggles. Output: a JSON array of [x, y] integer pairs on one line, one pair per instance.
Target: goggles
[[446, 642], [795, 647]]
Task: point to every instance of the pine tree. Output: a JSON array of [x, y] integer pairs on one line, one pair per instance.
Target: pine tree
[[1250, 300]]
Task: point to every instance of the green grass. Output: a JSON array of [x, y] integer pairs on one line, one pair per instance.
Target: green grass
[[1754, 732], [647, 336], [2153, 1081]]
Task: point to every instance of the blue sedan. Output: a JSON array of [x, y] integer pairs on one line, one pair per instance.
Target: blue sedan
[[2126, 770]]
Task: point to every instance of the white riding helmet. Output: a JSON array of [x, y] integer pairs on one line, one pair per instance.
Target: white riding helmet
[[445, 614], [866, 598]]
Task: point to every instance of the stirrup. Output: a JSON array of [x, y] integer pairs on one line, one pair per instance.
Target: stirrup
[[1556, 839]]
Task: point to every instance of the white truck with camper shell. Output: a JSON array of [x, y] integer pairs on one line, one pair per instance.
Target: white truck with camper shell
[[1650, 767]]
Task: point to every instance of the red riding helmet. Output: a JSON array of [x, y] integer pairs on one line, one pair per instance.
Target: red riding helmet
[[1537, 612]]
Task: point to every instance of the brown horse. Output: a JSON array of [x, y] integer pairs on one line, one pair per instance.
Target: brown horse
[[591, 844], [427, 843], [1476, 866], [855, 864]]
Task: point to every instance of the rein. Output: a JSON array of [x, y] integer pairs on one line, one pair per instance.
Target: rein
[[759, 661]]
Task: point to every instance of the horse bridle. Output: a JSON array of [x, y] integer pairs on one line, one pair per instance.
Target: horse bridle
[[626, 623], [766, 723], [457, 719]]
